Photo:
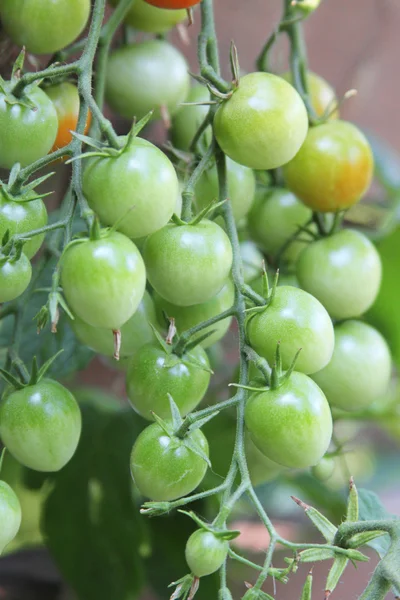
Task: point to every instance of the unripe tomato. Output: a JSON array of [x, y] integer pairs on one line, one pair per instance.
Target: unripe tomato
[[188, 119], [187, 317], [163, 467], [252, 261], [15, 276], [264, 123], [296, 320], [333, 168], [360, 369], [65, 98], [144, 77], [26, 134], [44, 26], [188, 264], [138, 188], [261, 468], [173, 3], [10, 515], [324, 469], [145, 17], [343, 272], [241, 188], [103, 280], [291, 425], [21, 217], [322, 95], [135, 333], [274, 218], [306, 7], [205, 553], [153, 374], [40, 425]]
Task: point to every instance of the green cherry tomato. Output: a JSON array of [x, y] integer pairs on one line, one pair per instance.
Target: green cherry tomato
[[44, 26], [40, 425], [274, 218], [188, 119], [187, 317], [252, 260], [322, 95], [343, 272], [241, 188], [333, 168], [163, 467], [103, 280], [10, 515], [296, 320], [21, 217], [144, 182], [205, 553], [360, 369], [263, 124], [27, 133], [188, 264], [324, 469], [135, 333], [291, 425], [153, 374], [15, 276], [144, 77], [144, 17]]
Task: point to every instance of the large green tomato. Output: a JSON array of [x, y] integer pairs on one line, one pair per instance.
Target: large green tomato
[[333, 168], [138, 189], [26, 133], [322, 95], [296, 320], [205, 553], [274, 218], [40, 425], [103, 280], [187, 317], [44, 26], [144, 77], [264, 124], [188, 264], [252, 261], [135, 333], [241, 188], [343, 272], [188, 119], [153, 374], [163, 467], [144, 17], [360, 369], [15, 276], [291, 425], [21, 217], [10, 515]]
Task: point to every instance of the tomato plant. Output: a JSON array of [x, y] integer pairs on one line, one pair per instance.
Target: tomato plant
[[65, 98], [145, 17], [10, 515], [205, 553]]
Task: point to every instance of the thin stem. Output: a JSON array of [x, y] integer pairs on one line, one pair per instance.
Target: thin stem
[[187, 335], [188, 193], [50, 72]]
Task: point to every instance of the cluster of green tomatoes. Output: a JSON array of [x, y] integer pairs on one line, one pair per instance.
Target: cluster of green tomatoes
[[139, 240]]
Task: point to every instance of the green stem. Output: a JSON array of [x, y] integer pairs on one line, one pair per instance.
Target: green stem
[[187, 335], [50, 72], [188, 193]]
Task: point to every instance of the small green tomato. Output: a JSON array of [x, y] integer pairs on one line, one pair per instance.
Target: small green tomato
[[205, 553]]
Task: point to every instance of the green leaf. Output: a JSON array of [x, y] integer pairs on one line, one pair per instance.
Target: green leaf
[[372, 509]]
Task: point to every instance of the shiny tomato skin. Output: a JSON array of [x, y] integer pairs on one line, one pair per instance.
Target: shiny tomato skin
[[322, 95], [65, 98], [343, 272], [263, 124], [145, 17], [26, 133], [205, 553], [296, 320], [10, 515], [143, 180], [360, 369], [163, 468], [153, 374], [333, 169], [41, 425], [15, 276], [188, 119], [44, 26], [173, 4], [252, 261], [21, 217], [143, 77], [241, 188], [291, 425], [188, 264], [103, 280], [187, 317]]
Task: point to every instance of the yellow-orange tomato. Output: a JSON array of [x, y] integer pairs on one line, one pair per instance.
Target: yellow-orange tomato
[[333, 169], [65, 98], [173, 3], [322, 95]]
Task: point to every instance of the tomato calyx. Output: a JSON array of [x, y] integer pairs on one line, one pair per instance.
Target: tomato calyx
[[14, 92], [11, 249], [186, 587], [220, 534], [16, 191], [36, 374], [177, 349]]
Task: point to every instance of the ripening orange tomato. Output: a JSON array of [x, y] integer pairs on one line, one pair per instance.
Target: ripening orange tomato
[[65, 98], [174, 4]]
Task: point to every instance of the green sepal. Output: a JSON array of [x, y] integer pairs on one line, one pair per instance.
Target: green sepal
[[171, 361], [323, 524], [190, 360], [18, 65], [175, 413], [163, 424], [2, 455], [15, 169], [316, 554], [352, 504], [194, 343], [336, 572], [16, 383], [194, 447], [307, 589], [200, 422], [214, 205], [360, 539], [155, 509], [356, 555], [161, 340], [235, 66], [186, 588], [137, 128], [249, 388], [221, 534], [44, 368]]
